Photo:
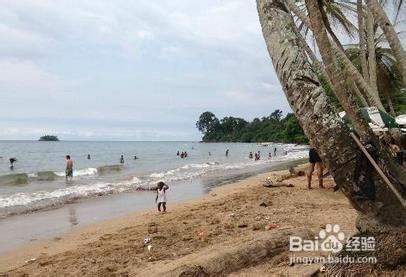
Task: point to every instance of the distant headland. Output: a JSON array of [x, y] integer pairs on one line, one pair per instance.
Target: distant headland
[[48, 138]]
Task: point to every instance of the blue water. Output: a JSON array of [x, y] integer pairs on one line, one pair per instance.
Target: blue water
[[21, 189]]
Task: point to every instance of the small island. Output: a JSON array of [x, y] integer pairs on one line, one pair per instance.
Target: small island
[[48, 138]]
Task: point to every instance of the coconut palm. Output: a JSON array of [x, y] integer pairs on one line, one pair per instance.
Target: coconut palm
[[389, 80], [362, 40], [390, 34], [320, 120], [351, 71]]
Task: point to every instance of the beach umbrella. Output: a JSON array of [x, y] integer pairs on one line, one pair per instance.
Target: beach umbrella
[[375, 117]]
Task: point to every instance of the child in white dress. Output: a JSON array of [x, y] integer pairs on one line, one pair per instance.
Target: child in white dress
[[161, 196]]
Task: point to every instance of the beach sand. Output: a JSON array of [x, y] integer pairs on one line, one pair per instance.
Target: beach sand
[[197, 235]]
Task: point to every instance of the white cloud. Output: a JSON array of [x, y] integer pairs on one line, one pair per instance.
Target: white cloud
[[27, 76], [131, 63]]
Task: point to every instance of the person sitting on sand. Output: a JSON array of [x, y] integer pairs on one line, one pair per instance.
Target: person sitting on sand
[[161, 196], [270, 155], [315, 161], [69, 168], [122, 159]]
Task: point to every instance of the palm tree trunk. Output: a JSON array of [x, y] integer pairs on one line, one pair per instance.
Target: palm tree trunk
[[319, 118], [372, 56], [362, 41], [315, 62], [390, 35], [358, 93], [338, 80], [352, 71]]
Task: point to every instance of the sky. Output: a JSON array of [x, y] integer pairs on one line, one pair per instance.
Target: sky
[[130, 69]]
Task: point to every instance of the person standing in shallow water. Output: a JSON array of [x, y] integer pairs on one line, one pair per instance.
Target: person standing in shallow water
[[69, 168], [12, 161], [227, 152], [315, 162], [122, 159], [161, 196]]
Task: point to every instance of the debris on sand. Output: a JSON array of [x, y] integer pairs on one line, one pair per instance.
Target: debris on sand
[[271, 226]]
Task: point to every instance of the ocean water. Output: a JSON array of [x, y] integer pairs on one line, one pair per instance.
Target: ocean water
[[37, 180]]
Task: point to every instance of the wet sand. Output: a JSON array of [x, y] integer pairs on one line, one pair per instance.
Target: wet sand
[[229, 215], [24, 229]]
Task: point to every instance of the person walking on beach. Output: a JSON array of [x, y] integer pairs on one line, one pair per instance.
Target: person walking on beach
[[161, 196], [69, 168], [274, 151], [122, 159], [315, 161]]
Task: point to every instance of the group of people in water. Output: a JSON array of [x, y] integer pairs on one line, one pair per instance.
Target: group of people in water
[[257, 155], [69, 165], [182, 155]]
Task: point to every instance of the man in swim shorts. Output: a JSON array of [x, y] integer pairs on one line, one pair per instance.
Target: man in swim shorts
[[315, 161], [69, 168]]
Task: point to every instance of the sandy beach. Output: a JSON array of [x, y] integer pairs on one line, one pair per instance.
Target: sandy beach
[[229, 218]]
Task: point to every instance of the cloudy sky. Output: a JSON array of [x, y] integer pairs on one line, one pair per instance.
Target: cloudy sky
[[130, 69]]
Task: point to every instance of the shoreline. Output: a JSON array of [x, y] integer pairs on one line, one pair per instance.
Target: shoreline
[[24, 229], [83, 238]]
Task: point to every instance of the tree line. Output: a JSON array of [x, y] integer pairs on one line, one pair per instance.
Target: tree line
[[272, 128]]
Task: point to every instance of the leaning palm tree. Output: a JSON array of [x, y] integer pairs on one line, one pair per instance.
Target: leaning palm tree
[[391, 35], [320, 120], [388, 79], [351, 71]]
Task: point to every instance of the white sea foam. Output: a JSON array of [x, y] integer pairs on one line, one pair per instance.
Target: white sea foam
[[81, 172], [41, 199]]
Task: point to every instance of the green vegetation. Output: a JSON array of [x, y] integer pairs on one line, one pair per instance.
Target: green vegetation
[[48, 138], [273, 128]]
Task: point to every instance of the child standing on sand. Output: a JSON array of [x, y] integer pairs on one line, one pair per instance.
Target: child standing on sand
[[161, 196]]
